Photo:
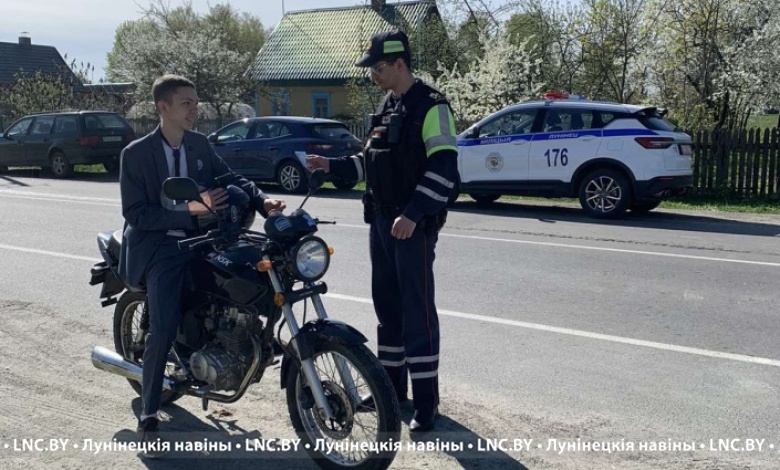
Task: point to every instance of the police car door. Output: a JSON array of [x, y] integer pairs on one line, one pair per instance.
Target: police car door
[[566, 140], [497, 150]]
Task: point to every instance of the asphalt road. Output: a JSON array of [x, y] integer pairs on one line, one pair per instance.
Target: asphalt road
[[656, 331]]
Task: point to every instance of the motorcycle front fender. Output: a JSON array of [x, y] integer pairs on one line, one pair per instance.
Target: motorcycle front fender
[[313, 332]]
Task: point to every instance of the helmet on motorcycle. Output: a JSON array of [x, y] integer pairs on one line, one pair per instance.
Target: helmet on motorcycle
[[237, 215]]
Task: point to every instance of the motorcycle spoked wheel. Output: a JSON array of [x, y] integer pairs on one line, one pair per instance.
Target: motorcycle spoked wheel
[[127, 321], [378, 425]]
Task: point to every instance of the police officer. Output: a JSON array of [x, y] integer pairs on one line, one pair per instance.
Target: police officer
[[410, 168]]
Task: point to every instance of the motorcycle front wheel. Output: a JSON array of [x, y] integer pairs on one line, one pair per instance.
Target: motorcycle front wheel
[[128, 316], [360, 436]]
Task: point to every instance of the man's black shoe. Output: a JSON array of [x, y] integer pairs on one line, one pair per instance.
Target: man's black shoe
[[368, 403], [423, 421], [149, 440]]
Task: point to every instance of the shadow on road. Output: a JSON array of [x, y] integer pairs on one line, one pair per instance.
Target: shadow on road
[[653, 220], [7, 181], [46, 175], [219, 428], [478, 457]]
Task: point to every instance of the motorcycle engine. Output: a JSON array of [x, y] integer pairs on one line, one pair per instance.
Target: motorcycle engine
[[225, 360]]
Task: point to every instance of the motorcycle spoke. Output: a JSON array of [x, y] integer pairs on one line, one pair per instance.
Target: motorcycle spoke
[[364, 426]]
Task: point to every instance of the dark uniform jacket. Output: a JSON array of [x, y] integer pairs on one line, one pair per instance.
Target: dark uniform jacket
[[147, 220]]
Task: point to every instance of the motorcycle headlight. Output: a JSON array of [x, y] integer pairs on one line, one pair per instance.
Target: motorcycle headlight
[[310, 258]]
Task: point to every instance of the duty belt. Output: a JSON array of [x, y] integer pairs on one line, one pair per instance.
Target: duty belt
[[387, 210]]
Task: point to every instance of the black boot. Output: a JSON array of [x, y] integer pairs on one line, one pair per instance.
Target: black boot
[[423, 420], [149, 440]]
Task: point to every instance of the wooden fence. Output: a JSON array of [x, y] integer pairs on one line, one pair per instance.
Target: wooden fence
[[737, 163]]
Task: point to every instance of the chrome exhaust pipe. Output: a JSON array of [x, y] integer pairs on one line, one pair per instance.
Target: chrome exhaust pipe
[[109, 361]]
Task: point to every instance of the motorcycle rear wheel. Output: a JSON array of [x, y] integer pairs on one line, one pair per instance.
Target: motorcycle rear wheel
[[378, 425], [127, 319]]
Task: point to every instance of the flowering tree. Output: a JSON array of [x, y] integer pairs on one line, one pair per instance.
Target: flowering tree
[[212, 50], [715, 61], [504, 74]]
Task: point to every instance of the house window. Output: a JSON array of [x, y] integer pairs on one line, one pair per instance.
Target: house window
[[320, 105], [280, 103]]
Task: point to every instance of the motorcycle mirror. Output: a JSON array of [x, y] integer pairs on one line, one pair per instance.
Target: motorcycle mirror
[[316, 179], [181, 188]]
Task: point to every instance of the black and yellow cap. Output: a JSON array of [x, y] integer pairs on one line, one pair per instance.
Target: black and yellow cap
[[385, 44]]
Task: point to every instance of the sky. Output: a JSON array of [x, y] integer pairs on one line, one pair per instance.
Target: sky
[[84, 29]]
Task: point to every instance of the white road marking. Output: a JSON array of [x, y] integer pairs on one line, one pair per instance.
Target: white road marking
[[504, 321], [58, 197], [17, 193], [75, 201], [49, 253], [598, 248], [587, 334]]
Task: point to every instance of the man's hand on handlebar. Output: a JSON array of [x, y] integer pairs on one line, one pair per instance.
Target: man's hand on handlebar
[[215, 198], [271, 205]]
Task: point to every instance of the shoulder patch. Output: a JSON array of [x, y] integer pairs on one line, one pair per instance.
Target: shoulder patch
[[438, 97]]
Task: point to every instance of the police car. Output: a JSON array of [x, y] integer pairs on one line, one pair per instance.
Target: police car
[[613, 157]]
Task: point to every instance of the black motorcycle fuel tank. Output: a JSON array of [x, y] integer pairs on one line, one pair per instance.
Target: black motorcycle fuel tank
[[231, 274]]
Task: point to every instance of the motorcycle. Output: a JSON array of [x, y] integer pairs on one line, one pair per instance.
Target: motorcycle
[[244, 285]]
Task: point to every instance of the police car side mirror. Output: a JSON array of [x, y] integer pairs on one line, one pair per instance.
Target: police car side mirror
[[181, 189], [472, 133]]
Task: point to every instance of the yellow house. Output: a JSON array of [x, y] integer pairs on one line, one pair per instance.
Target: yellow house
[[309, 58]]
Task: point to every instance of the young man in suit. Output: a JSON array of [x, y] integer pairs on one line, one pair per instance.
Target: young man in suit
[[154, 224]]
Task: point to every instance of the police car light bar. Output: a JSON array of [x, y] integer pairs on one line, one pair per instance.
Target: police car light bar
[[560, 95]]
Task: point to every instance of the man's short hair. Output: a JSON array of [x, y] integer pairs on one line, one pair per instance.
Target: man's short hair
[[403, 57], [165, 86]]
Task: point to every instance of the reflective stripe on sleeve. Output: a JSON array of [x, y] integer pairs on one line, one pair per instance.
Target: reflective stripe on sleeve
[[431, 194], [359, 166], [439, 179], [439, 130]]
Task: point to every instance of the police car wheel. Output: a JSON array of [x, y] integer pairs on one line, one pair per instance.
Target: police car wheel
[[605, 193], [484, 199], [291, 177]]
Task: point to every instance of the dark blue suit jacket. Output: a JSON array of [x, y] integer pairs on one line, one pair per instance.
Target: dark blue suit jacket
[[143, 169]]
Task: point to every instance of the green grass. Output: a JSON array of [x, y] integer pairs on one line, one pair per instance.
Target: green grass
[[89, 168], [724, 204], [715, 204], [763, 121]]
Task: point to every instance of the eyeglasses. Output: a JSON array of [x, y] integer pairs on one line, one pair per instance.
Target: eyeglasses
[[376, 70]]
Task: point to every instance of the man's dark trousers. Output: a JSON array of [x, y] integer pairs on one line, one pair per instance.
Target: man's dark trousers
[[166, 275], [403, 294]]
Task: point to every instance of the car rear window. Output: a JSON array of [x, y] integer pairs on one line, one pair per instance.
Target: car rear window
[[656, 123], [104, 121], [331, 131]]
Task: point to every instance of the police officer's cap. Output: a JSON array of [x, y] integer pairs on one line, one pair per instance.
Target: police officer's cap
[[385, 44]]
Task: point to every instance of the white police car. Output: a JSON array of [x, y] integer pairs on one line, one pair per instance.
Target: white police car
[[613, 157]]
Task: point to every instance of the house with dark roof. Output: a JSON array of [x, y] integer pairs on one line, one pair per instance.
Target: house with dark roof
[[24, 57], [310, 56]]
